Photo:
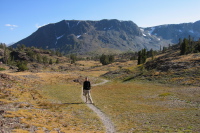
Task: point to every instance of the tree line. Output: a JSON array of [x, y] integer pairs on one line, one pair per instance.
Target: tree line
[[188, 45], [144, 54], [106, 59]]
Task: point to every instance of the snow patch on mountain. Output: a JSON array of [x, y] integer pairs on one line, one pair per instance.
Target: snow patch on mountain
[[142, 30], [59, 37], [191, 31], [68, 24], [152, 30], [78, 36], [144, 34]]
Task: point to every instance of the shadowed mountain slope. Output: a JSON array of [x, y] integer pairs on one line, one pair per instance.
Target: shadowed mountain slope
[[83, 37]]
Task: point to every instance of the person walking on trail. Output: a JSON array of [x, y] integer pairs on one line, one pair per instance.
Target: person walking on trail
[[86, 90]]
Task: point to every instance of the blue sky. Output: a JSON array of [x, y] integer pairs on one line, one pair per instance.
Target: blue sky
[[20, 18]]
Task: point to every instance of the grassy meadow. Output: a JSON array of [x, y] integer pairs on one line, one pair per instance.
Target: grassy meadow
[[51, 101], [147, 107]]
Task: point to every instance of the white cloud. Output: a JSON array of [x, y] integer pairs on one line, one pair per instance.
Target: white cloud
[[12, 26]]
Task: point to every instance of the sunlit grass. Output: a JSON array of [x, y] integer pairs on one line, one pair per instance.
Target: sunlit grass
[[69, 95], [92, 73], [145, 107], [20, 131], [89, 63], [51, 100]]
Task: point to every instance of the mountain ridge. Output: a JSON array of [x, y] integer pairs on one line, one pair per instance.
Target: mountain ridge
[[175, 31], [97, 37]]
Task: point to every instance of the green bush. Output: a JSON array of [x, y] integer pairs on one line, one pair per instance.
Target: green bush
[[107, 59], [50, 62], [2, 69], [22, 65]]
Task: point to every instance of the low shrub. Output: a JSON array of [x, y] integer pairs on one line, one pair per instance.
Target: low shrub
[[22, 65], [2, 69], [164, 94]]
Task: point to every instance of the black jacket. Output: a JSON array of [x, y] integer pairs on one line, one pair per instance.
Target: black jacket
[[86, 85]]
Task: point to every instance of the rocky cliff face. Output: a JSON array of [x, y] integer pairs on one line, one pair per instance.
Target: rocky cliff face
[[173, 32], [83, 37]]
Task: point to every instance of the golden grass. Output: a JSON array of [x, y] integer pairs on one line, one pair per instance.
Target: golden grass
[[51, 100], [145, 107], [89, 63], [92, 73], [5, 101], [20, 131], [186, 58]]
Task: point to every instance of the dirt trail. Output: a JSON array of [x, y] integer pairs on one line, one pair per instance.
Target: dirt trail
[[101, 83], [104, 118]]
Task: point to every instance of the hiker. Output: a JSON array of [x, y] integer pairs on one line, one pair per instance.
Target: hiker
[[86, 90]]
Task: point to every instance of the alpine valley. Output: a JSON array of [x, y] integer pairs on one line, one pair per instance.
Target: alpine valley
[[107, 36]]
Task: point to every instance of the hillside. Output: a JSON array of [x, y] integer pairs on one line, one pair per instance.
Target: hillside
[[175, 69], [166, 67], [92, 37], [31, 59]]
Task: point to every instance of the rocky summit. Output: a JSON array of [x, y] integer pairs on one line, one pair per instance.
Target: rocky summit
[[93, 37]]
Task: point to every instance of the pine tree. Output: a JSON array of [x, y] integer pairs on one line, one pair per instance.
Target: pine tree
[[152, 54], [50, 62], [39, 59], [189, 39], [111, 58], [5, 56], [164, 49], [22, 65], [73, 58], [139, 57], [45, 59], [142, 56], [180, 43], [184, 47], [106, 59], [57, 61]]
